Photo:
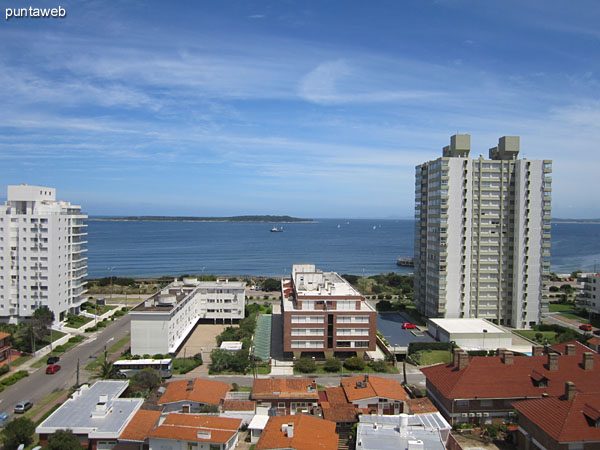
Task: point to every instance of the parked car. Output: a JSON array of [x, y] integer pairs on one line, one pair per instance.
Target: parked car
[[23, 407], [52, 368], [585, 327], [597, 332], [3, 419], [408, 325], [52, 360]]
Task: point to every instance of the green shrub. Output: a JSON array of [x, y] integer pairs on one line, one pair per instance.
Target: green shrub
[[354, 363], [12, 379], [4, 369], [332, 365], [378, 366], [158, 356], [414, 347], [60, 349], [306, 365]]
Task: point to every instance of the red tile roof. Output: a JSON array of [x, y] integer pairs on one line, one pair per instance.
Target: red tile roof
[[202, 391], [579, 347], [140, 426], [282, 388], [421, 406], [336, 396], [489, 377], [564, 420], [185, 427], [4, 335], [375, 387], [238, 405], [310, 433]]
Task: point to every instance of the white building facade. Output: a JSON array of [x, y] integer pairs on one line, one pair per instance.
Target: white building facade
[[482, 234], [163, 321], [589, 297], [42, 254]]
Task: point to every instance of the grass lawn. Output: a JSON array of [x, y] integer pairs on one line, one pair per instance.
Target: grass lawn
[[558, 307], [263, 370], [530, 334], [20, 360], [429, 357], [573, 316], [77, 321], [182, 366]]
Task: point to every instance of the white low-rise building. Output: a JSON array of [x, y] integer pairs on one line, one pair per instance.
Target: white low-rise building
[[589, 297], [163, 321], [470, 334]]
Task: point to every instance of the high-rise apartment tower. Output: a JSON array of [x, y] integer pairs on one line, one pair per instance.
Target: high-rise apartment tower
[[42, 259], [482, 234]]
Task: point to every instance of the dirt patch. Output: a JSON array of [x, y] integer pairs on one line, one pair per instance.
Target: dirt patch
[[202, 339]]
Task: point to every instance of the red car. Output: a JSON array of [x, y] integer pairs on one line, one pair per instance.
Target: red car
[[408, 325], [52, 368], [585, 327]]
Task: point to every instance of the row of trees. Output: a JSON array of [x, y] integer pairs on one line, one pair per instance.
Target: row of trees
[[22, 430]]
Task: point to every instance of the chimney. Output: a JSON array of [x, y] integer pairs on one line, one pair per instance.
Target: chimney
[[569, 390], [537, 350], [588, 361], [463, 360], [314, 385], [570, 350], [366, 378], [455, 353], [501, 351], [552, 362], [290, 430], [403, 425], [509, 358]]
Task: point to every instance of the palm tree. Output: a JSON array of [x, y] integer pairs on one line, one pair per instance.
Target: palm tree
[[107, 370]]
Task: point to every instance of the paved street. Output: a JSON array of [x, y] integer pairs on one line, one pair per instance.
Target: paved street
[[38, 385]]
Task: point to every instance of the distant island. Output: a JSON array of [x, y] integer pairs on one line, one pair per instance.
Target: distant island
[[263, 219], [594, 221]]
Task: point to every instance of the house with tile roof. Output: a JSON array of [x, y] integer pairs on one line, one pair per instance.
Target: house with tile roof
[[336, 408], [288, 396], [191, 396], [375, 395], [560, 423], [299, 432], [481, 390], [192, 431], [238, 409], [137, 430]]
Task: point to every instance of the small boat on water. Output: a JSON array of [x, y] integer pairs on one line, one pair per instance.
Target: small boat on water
[[405, 262], [277, 230]]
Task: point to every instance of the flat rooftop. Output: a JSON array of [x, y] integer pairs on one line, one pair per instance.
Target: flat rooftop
[[96, 411], [463, 326]]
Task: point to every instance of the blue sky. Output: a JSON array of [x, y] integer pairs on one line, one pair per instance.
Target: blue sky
[[307, 108]]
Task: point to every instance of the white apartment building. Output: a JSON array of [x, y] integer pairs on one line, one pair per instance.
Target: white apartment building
[[482, 234], [589, 297], [163, 321], [42, 254]]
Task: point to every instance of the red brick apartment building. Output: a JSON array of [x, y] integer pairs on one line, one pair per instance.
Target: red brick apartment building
[[4, 348], [324, 315], [482, 390]]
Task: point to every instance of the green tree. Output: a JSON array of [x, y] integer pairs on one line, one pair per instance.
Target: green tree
[[17, 432], [306, 365], [107, 370], [146, 379], [379, 366], [271, 284], [354, 363], [332, 365], [63, 440]]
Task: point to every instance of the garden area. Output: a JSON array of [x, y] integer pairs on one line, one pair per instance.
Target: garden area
[[383, 286], [549, 334], [75, 321], [354, 364], [239, 362]]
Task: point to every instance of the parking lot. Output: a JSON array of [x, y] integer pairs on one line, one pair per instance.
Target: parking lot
[[390, 325]]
